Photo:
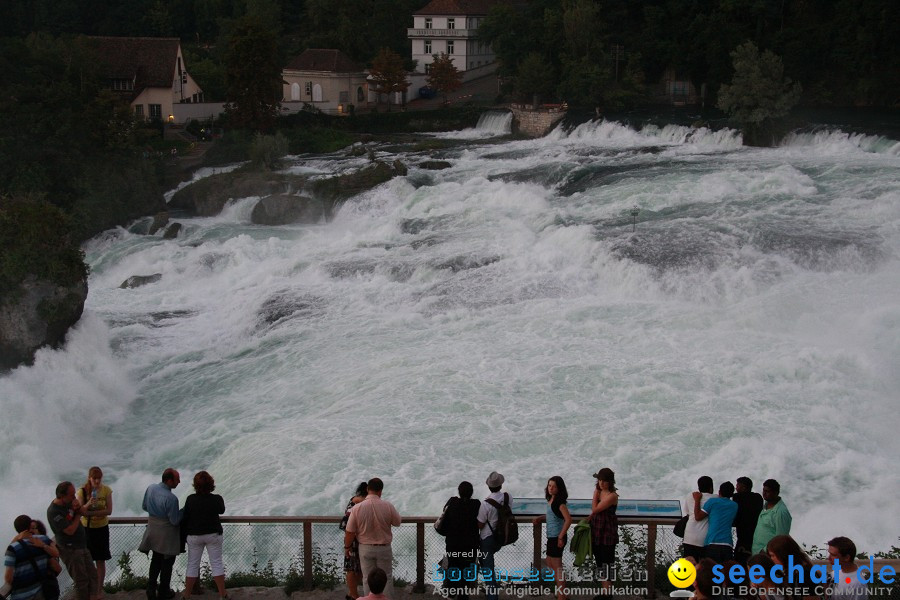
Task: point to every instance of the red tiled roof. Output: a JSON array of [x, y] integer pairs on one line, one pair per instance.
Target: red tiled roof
[[458, 7], [150, 62], [331, 61]]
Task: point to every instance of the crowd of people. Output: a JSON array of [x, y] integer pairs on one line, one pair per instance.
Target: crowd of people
[[79, 519], [474, 530], [762, 524]]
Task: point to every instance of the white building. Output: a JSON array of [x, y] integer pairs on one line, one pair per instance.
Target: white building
[[451, 27], [325, 78], [147, 72]]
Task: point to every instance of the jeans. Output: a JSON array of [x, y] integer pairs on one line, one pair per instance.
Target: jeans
[[81, 569], [488, 547]]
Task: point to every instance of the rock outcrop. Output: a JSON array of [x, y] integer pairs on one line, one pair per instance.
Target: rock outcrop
[[286, 198], [207, 197], [284, 209], [434, 165], [160, 220], [345, 186], [172, 231], [139, 280], [38, 314]]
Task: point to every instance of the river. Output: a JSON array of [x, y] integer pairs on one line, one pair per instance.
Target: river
[[507, 313]]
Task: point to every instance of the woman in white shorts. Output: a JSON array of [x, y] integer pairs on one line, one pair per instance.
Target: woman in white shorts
[[204, 530]]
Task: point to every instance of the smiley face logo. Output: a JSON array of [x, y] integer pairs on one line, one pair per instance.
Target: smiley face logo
[[682, 573]]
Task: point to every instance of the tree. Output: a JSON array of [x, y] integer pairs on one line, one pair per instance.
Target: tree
[[388, 74], [444, 77], [759, 95], [535, 78], [252, 75]]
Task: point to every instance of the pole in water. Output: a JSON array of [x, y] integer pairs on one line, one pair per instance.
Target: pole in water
[[634, 213]]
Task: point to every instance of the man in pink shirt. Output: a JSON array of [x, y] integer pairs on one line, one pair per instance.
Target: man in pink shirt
[[370, 523]]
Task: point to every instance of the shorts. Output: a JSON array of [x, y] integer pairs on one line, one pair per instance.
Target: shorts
[[98, 542], [553, 549], [604, 554]]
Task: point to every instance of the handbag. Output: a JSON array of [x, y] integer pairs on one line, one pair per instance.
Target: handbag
[[680, 526]]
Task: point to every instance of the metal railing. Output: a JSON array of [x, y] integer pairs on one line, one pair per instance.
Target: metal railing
[[311, 548]]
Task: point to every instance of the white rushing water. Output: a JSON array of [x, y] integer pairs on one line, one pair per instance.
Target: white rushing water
[[502, 315]]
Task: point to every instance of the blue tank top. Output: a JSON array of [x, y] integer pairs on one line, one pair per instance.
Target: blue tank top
[[554, 523]]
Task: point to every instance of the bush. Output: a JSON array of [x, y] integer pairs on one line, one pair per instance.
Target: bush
[[266, 151], [127, 580], [35, 240]]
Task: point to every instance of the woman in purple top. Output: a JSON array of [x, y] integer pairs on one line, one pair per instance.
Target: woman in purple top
[[604, 524]]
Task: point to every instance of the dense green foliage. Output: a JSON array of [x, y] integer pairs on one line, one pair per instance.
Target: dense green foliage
[[252, 75], [73, 160], [35, 240], [266, 151], [607, 53], [759, 94], [387, 74], [444, 77]]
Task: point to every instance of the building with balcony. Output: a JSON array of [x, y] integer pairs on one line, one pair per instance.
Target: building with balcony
[[451, 27]]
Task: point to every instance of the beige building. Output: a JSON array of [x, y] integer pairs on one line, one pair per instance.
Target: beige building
[[451, 27], [325, 79], [150, 73]]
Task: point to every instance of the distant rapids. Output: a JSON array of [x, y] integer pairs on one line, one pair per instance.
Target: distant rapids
[[507, 313]]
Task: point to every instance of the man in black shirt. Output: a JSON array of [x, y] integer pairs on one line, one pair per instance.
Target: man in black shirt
[[750, 504], [64, 515]]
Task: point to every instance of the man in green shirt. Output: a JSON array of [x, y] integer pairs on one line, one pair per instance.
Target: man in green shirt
[[775, 518]]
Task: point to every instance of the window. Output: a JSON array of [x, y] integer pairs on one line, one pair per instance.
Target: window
[[344, 97], [360, 97], [139, 111], [428, 23], [155, 111], [317, 93], [451, 23], [471, 64], [450, 47], [427, 46], [122, 85], [295, 91], [427, 71]]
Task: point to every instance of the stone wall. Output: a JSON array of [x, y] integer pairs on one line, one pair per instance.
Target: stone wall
[[535, 122]]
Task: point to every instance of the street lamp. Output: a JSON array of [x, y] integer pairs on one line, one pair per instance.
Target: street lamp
[[634, 214]]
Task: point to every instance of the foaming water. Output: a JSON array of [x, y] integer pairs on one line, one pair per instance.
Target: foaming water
[[492, 123], [839, 142], [503, 315]]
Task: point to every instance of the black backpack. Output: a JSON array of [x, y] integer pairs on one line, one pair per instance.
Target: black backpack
[[507, 531]]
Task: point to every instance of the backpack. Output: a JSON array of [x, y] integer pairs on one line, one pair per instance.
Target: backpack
[[507, 531]]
